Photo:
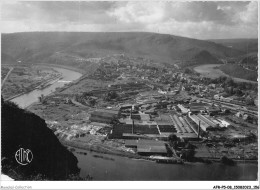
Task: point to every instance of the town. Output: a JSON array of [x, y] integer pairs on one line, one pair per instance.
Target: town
[[160, 92], [138, 108]]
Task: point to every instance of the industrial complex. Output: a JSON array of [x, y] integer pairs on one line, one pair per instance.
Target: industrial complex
[[130, 109]]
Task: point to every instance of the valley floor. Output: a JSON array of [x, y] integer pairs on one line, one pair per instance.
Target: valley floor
[[67, 111]]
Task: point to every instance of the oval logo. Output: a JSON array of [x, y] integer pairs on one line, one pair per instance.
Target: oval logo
[[23, 157]]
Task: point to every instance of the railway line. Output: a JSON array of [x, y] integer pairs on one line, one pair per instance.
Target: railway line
[[232, 106]]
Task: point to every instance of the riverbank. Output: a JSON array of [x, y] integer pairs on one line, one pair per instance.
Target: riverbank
[[26, 99], [99, 149], [46, 65], [104, 167], [61, 66], [23, 80], [112, 151], [37, 87]]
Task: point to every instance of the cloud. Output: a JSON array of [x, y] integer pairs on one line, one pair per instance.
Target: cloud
[[197, 12], [250, 15], [54, 12], [193, 19], [203, 30], [143, 12]]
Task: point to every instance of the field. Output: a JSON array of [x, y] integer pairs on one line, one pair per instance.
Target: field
[[217, 70]]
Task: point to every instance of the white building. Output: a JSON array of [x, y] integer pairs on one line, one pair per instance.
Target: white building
[[224, 123]]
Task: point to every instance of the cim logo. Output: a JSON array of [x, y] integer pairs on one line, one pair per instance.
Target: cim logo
[[23, 157]]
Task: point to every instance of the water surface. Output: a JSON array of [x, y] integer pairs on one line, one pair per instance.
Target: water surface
[[27, 99], [121, 168]]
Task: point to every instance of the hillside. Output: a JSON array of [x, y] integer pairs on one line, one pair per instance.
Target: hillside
[[203, 57], [251, 59], [245, 45], [22, 129], [239, 72], [71, 48]]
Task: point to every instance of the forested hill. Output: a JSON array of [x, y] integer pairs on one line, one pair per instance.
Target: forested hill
[[22, 129], [71, 47]]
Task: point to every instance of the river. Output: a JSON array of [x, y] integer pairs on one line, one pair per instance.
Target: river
[[27, 99], [121, 168]]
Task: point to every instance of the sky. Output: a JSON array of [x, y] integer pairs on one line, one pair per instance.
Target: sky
[[201, 20]]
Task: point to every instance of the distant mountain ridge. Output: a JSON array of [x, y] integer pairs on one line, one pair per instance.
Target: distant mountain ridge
[[44, 46]]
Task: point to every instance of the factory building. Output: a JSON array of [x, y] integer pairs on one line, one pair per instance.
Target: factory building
[[147, 147]]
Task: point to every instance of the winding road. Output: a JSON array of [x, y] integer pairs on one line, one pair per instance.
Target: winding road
[[6, 77]]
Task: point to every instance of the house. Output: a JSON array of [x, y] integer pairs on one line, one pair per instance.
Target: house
[[216, 97], [145, 117], [126, 106], [162, 92], [150, 111], [198, 107], [183, 109], [224, 123], [219, 89], [245, 117], [195, 110], [239, 114], [213, 110], [227, 99], [146, 106], [212, 85]]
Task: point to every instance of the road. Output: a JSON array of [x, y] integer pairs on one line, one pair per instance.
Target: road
[[6, 77]]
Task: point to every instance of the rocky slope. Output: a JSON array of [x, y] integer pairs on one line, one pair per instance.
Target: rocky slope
[[22, 129]]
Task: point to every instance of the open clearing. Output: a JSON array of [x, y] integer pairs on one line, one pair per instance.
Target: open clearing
[[212, 71]]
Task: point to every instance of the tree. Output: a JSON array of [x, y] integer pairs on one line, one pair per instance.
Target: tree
[[227, 161], [92, 102], [249, 100], [238, 92], [188, 71], [189, 146], [172, 138], [85, 94], [187, 154], [111, 95]]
